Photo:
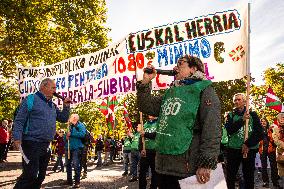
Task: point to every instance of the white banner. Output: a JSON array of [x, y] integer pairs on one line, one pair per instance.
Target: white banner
[[218, 39]]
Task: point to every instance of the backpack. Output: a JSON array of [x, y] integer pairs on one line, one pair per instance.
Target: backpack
[[87, 138], [30, 103]]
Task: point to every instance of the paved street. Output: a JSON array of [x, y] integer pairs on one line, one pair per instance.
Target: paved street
[[109, 177]]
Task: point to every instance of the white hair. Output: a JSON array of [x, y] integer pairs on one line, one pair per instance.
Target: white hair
[[45, 82], [240, 94]]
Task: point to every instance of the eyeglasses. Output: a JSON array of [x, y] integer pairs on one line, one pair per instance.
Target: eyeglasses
[[180, 61]]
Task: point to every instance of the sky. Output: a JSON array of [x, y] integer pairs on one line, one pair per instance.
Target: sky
[[267, 23]]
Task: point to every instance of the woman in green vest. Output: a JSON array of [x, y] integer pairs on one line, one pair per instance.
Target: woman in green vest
[[189, 124]]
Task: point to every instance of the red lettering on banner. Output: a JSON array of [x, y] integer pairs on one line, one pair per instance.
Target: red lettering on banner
[[158, 81]]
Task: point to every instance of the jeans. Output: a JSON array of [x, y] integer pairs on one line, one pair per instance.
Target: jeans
[[75, 156], [273, 165], [145, 163], [126, 160], [112, 155], [84, 159], [99, 154], [58, 162], [234, 159], [135, 157], [106, 157], [34, 172]]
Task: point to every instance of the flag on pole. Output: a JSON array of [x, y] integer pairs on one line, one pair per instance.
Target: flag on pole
[[126, 117], [111, 116], [273, 102], [104, 106], [110, 121]]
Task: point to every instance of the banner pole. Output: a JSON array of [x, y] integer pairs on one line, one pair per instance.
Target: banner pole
[[143, 138], [248, 79], [68, 145]]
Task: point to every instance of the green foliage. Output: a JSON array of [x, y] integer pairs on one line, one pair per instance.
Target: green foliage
[[34, 32], [226, 90], [273, 77], [8, 100]]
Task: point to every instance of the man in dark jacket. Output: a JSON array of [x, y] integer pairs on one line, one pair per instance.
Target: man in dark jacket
[[189, 124], [35, 141], [148, 156], [237, 146], [99, 149]]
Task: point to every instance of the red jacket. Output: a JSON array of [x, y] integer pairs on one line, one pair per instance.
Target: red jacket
[[4, 136]]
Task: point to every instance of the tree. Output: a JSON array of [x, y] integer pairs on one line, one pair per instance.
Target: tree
[[8, 100], [34, 32], [273, 77], [226, 90]]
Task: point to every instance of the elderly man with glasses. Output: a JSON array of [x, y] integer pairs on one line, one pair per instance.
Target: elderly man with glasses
[[237, 146], [188, 128]]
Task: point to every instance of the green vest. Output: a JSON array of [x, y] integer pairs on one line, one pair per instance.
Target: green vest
[[225, 138], [150, 128], [127, 144], [177, 117], [236, 140], [135, 141]]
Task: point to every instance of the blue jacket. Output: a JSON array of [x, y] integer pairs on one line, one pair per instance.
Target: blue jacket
[[42, 119], [78, 132]]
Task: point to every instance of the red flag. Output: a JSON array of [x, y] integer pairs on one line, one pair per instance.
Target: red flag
[[126, 117], [112, 103], [111, 116], [104, 107], [110, 121], [273, 102]]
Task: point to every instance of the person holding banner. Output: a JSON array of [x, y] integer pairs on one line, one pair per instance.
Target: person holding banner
[[34, 130], [189, 125], [237, 147]]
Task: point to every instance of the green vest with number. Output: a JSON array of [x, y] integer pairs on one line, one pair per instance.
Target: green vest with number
[[236, 140], [135, 141], [150, 128], [224, 139], [127, 144], [177, 117]]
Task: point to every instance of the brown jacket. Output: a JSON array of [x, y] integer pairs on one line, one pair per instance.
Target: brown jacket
[[279, 141], [205, 146]]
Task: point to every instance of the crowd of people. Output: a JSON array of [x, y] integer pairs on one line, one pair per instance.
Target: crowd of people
[[183, 136]]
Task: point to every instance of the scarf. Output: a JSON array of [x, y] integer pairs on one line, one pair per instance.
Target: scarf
[[195, 77]]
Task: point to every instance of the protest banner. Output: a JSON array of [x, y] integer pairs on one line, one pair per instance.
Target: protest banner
[[218, 39]]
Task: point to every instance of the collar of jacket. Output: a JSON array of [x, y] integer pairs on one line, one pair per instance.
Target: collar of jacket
[[152, 121], [188, 81], [41, 96], [238, 112]]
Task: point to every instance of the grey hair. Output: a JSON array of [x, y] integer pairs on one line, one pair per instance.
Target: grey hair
[[45, 82], [240, 94], [76, 116]]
